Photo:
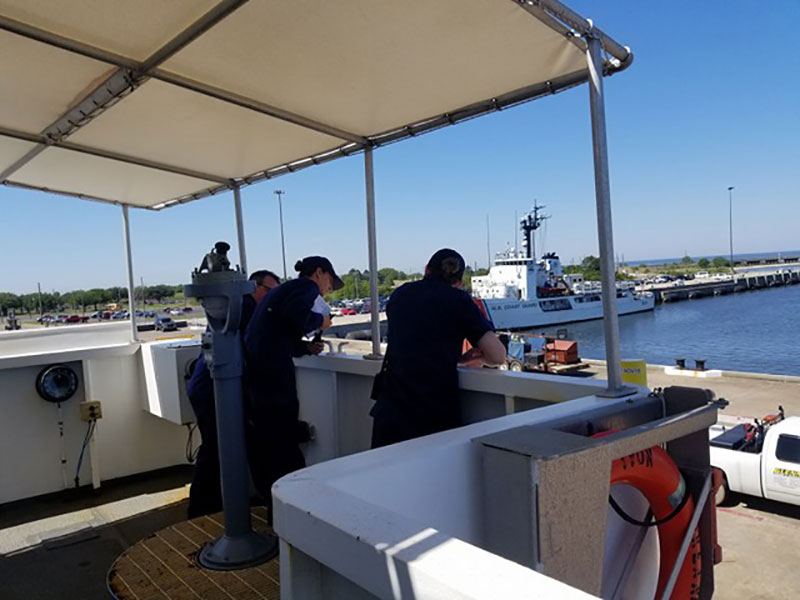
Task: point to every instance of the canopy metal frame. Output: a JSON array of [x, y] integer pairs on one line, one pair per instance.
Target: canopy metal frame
[[604, 57]]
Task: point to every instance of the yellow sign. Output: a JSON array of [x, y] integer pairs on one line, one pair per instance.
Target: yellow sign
[[634, 371]]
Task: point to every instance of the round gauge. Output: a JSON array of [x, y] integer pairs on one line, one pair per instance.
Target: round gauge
[[57, 383]]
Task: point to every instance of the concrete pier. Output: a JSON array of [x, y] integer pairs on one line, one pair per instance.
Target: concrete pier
[[750, 394], [713, 287]]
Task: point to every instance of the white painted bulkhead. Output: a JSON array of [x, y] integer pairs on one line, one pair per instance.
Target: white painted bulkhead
[[140, 431], [109, 367]]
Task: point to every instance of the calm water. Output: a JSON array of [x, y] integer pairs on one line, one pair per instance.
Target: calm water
[[750, 331]]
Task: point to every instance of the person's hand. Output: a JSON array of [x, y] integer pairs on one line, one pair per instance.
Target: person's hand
[[326, 322], [471, 358], [315, 348]]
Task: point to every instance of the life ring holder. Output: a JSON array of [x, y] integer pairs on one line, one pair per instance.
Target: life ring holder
[[654, 474]]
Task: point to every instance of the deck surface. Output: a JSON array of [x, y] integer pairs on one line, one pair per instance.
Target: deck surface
[[162, 566]]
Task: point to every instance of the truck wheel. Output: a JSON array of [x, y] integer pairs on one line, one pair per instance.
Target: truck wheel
[[515, 365], [723, 495]]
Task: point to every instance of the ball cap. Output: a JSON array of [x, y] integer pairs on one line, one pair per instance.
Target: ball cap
[[310, 263]]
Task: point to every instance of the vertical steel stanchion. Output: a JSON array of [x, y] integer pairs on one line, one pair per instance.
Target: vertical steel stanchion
[[594, 55], [237, 205], [126, 230], [373, 255]]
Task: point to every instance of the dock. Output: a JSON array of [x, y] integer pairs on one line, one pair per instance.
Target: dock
[[750, 394], [713, 287]]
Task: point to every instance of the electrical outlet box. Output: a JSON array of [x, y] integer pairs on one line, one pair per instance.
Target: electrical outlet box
[[90, 410]]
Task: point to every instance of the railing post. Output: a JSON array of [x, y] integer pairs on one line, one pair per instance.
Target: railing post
[[237, 204], [126, 231], [373, 255], [594, 55]]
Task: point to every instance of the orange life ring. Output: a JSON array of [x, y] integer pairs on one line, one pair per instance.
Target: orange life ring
[[656, 476]]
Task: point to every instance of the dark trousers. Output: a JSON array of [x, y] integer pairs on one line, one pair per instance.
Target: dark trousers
[[272, 452], [392, 423], [205, 494], [272, 442]]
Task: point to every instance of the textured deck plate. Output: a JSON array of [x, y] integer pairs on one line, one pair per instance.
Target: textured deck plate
[[163, 567]]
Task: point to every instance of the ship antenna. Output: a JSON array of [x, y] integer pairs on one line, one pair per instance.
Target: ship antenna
[[529, 224]]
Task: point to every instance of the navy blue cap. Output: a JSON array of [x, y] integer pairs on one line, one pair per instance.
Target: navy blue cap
[[311, 263]]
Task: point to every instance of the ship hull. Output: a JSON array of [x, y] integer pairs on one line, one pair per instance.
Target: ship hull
[[509, 313]]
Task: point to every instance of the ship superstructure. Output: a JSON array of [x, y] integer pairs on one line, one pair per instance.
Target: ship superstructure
[[522, 291]]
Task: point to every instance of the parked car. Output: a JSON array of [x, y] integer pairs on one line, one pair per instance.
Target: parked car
[[73, 319], [348, 312], [165, 324]]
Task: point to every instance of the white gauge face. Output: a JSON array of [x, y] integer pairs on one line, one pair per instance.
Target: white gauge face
[[57, 383]]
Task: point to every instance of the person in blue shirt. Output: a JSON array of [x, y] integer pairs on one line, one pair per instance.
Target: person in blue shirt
[[416, 391], [273, 338], [205, 493]]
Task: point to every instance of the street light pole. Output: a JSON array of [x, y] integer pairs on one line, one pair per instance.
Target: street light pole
[[280, 193], [730, 224]]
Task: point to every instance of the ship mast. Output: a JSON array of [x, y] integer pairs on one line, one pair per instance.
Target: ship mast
[[529, 223]]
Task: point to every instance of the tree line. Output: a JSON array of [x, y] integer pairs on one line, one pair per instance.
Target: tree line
[[82, 300], [356, 285], [590, 269]]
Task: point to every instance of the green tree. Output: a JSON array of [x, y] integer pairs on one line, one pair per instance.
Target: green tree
[[9, 301], [687, 260], [591, 263], [159, 292], [720, 262], [703, 263]]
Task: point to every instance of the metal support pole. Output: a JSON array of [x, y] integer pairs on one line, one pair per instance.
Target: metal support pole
[[280, 193], [126, 231], [237, 204], [594, 55], [373, 255], [730, 217]]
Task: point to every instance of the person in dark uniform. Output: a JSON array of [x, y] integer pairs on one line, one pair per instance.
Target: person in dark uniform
[[416, 391], [273, 337], [205, 493]]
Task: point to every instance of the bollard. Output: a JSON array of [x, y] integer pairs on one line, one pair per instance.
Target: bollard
[[680, 363], [700, 364]]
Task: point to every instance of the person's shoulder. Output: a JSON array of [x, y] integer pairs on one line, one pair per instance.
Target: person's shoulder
[[300, 285], [409, 287], [458, 295]]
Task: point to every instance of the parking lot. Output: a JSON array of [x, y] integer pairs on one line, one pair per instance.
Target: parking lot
[[759, 540]]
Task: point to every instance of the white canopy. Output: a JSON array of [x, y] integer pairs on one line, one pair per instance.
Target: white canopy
[[152, 103]]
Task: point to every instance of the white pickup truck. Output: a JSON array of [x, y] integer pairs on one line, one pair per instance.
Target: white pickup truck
[[759, 459]]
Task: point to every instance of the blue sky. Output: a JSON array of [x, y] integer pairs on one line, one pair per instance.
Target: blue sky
[[712, 100]]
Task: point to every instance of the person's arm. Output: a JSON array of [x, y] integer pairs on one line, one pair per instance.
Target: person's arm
[[487, 348], [304, 348], [296, 309], [493, 353]]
